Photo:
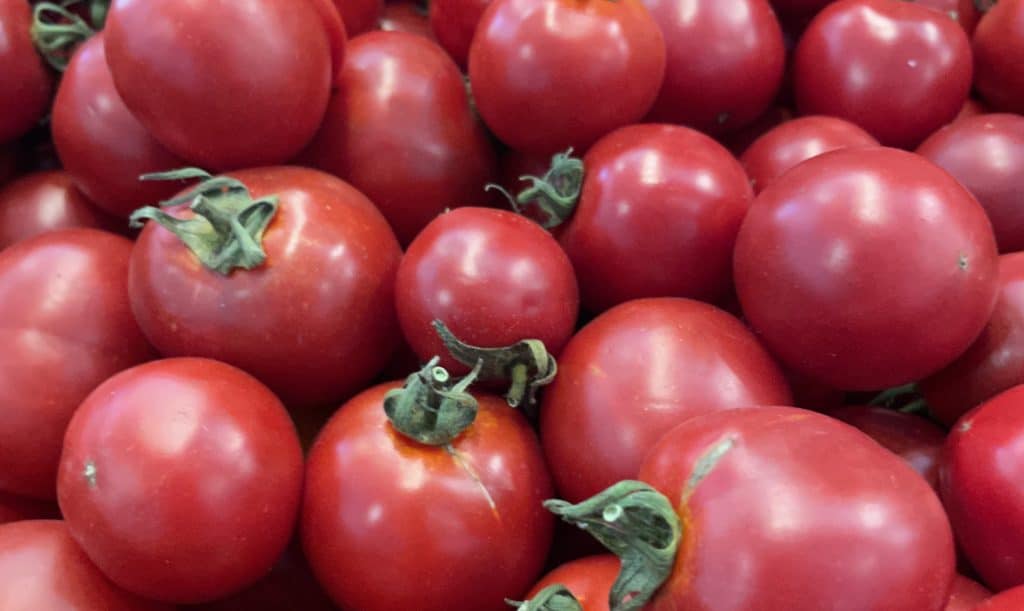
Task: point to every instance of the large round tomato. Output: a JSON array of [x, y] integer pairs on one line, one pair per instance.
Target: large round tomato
[[400, 98], [315, 322], [725, 62], [45, 201], [549, 74], [67, 327], [866, 268], [454, 22], [966, 595], [638, 370], [25, 82], [223, 84], [898, 70], [998, 47], [181, 479], [16, 508], [589, 579]]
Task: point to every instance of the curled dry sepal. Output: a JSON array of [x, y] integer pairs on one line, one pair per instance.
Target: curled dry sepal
[[552, 598], [555, 194], [57, 32], [432, 407]]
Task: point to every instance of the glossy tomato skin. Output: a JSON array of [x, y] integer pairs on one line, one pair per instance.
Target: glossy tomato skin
[[18, 508], [709, 85], [49, 286], [453, 23], [896, 69], [793, 142], [400, 98], [590, 580], [181, 479], [359, 15], [635, 372], [963, 12], [607, 56], [998, 44], [658, 216], [779, 525], [866, 268], [1010, 600], [967, 594], [986, 154], [493, 277], [406, 17], [25, 81], [41, 567], [45, 201], [315, 323], [465, 525], [205, 92]]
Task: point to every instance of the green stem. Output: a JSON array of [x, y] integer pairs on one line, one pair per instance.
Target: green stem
[[430, 408], [555, 194], [57, 32], [555, 597], [891, 396]]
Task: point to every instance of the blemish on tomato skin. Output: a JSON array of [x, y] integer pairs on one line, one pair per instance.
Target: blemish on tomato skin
[[962, 261], [89, 473], [964, 426]]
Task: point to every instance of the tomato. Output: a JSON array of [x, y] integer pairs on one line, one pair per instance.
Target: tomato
[[966, 595], [45, 201], [493, 277], [453, 23], [181, 479], [866, 268], [998, 45], [1010, 600], [401, 98], [986, 154], [792, 142], [223, 84], [405, 17], [67, 327], [896, 69], [25, 81], [713, 85], [638, 370], [17, 508], [337, 36], [549, 74], [463, 524], [359, 15], [657, 217], [980, 483], [589, 579]]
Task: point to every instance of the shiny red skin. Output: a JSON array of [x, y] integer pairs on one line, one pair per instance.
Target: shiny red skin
[[315, 322], [191, 75], [337, 36], [839, 288], [713, 85], [465, 525], [49, 285], [998, 45], [994, 362], [593, 66], [359, 15], [45, 201], [963, 12], [453, 23], [41, 567], [405, 17], [967, 594], [17, 508], [658, 216], [590, 580], [25, 82], [779, 524], [493, 277], [181, 479], [1010, 600], [400, 98], [980, 484], [896, 69], [793, 142], [635, 372], [986, 154]]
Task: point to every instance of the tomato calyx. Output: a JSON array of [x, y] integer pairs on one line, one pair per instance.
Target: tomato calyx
[[984, 6], [430, 407], [554, 195], [226, 231], [57, 32], [907, 399], [555, 597]]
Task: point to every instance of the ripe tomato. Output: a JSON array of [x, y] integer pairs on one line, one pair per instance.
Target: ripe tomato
[[406, 17], [359, 15], [866, 268], [998, 47], [181, 479], [315, 322], [17, 508], [896, 69], [657, 217], [792, 142], [67, 327], [1010, 600], [453, 23], [638, 370], [589, 579], [713, 85], [223, 84], [25, 81], [967, 594], [549, 74], [45, 201]]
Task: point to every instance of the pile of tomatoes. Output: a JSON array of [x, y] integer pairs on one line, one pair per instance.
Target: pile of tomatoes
[[555, 305]]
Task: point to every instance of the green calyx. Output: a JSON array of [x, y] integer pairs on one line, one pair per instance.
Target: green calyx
[[555, 194], [226, 230], [907, 399], [431, 407], [57, 32], [552, 598]]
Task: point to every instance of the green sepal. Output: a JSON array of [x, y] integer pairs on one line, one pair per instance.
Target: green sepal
[[429, 408], [552, 598], [555, 194]]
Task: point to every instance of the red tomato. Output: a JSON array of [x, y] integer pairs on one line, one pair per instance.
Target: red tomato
[[772, 521], [866, 268], [41, 567], [223, 84], [493, 277], [17, 508], [359, 15], [337, 36], [896, 69], [657, 217], [792, 142], [549, 74], [453, 23], [401, 98], [998, 47], [25, 81], [725, 62], [638, 370], [464, 524], [181, 479], [967, 594], [405, 17], [45, 201], [590, 580], [67, 327], [1010, 600], [986, 154]]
